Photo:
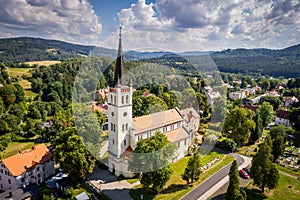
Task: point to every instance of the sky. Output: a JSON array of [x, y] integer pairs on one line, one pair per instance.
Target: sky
[[172, 25]]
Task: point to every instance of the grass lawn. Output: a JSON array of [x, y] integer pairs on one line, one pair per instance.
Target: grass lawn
[[44, 62], [288, 188], [18, 72], [176, 187], [14, 147], [289, 171]]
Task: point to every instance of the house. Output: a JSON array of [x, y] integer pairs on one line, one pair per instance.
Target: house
[[282, 118], [31, 191], [31, 166], [273, 93], [237, 95], [289, 101], [124, 131], [248, 91], [210, 94], [256, 100]]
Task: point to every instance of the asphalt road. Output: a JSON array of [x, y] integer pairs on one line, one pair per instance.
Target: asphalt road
[[213, 180]]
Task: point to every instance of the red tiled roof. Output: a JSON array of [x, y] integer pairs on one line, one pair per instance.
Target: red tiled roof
[[283, 114], [16, 164], [127, 153]]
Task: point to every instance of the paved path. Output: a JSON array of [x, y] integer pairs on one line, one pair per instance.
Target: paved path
[[213, 183], [103, 149], [108, 184]]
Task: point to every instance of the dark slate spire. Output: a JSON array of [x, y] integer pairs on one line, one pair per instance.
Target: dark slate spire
[[119, 72]]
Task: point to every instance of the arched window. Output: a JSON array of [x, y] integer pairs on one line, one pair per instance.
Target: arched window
[[115, 101], [127, 99], [126, 126], [122, 99], [111, 99], [123, 127], [124, 142]]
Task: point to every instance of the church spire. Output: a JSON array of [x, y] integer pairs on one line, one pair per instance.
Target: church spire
[[119, 72]]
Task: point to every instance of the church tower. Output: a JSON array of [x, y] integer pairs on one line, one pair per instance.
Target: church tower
[[119, 115]]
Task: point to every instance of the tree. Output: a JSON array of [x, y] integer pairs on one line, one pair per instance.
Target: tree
[[192, 170], [239, 124], [155, 153], [278, 146], [294, 117], [71, 154], [233, 190], [263, 171], [274, 101], [266, 113], [257, 132]]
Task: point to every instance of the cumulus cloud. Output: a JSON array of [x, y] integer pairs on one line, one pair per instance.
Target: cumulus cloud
[[218, 23], [69, 20]]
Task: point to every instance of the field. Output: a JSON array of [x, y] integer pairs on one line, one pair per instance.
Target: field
[[44, 62], [18, 72], [176, 187], [25, 84]]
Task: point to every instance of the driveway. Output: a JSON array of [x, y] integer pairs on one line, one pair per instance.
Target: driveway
[[108, 184]]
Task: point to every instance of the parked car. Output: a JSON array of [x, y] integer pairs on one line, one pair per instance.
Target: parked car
[[244, 174], [247, 170]]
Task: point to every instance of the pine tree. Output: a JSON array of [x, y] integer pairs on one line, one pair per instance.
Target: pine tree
[[233, 190], [192, 170]]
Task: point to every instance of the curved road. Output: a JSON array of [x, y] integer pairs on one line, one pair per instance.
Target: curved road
[[201, 189]]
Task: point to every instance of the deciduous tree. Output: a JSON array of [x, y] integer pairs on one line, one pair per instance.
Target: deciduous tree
[[155, 154], [72, 155]]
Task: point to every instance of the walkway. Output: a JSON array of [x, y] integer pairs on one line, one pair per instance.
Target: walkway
[[216, 181], [110, 186]]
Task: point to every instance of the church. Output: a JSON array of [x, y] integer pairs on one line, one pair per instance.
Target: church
[[124, 131]]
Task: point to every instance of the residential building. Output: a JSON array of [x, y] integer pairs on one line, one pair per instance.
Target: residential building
[[282, 118], [237, 95], [289, 101], [31, 166], [124, 131]]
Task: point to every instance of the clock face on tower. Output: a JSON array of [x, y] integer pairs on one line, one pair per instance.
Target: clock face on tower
[[125, 114]]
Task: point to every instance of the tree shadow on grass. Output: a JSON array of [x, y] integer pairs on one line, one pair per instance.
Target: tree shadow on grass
[[255, 194], [174, 188], [136, 193]]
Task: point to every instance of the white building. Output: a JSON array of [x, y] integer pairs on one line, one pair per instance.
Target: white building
[[237, 95], [282, 118], [289, 101], [31, 166], [124, 131]]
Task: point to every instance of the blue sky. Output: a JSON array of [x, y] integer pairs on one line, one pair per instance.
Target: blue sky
[[174, 25]]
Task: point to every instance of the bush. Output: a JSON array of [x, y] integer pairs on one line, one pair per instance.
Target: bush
[[226, 144]]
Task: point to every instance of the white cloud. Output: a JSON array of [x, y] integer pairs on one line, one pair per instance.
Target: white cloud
[[220, 23], [68, 20]]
